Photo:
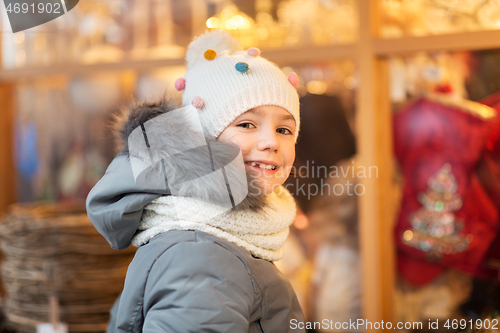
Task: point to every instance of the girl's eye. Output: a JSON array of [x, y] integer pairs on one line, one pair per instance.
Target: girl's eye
[[283, 130], [246, 125]]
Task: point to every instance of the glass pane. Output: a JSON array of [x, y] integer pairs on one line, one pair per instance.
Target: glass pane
[[97, 31], [322, 258], [64, 141], [446, 142], [401, 18], [289, 22], [61, 126]]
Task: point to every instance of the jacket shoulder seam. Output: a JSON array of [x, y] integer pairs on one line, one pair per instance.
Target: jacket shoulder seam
[[252, 280], [147, 278]]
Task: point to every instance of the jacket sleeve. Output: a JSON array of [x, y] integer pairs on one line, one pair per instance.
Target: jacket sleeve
[[198, 287], [115, 203]]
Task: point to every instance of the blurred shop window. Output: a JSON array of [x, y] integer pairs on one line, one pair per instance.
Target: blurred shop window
[[401, 18], [98, 31]]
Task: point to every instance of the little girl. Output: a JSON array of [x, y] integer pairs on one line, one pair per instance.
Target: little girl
[[195, 272]]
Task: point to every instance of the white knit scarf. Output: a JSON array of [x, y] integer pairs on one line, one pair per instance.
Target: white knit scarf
[[263, 233]]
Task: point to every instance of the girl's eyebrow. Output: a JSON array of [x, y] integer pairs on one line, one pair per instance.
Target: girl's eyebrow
[[259, 112]]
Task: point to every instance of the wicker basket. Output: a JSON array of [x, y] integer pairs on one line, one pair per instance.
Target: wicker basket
[[53, 249]]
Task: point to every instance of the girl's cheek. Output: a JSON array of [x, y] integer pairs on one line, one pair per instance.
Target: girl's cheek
[[245, 149], [233, 139], [286, 174]]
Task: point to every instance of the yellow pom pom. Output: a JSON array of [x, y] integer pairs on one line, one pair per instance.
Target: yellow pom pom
[[210, 54]]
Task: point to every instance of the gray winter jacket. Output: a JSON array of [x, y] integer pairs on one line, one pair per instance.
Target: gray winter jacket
[[186, 281]]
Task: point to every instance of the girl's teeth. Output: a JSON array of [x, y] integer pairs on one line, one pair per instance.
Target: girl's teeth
[[263, 166]]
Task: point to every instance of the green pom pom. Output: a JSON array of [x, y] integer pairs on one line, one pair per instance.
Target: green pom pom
[[242, 67]]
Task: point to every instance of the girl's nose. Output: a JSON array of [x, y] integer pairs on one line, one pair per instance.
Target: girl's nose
[[268, 140]]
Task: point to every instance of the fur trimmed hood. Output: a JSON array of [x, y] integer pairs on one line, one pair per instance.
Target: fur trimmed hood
[[136, 114]]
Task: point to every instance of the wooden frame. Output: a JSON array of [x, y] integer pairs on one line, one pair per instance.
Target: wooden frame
[[7, 169], [373, 127], [373, 137]]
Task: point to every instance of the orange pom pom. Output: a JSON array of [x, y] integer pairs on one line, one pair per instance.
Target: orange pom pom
[[210, 54]]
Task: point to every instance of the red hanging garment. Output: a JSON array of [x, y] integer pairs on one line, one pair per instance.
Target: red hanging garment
[[446, 219]]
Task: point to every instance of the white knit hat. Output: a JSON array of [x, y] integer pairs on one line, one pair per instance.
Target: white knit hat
[[223, 82]]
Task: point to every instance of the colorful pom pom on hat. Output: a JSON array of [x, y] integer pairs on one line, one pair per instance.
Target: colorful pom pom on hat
[[223, 81]]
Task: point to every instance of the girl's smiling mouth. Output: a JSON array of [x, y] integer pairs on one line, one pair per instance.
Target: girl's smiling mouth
[[263, 166]]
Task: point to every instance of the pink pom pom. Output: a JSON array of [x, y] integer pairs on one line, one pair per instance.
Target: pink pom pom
[[180, 84], [198, 102], [253, 51], [294, 79]]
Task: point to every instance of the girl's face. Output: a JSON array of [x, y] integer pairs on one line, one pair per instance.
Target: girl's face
[[265, 135]]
